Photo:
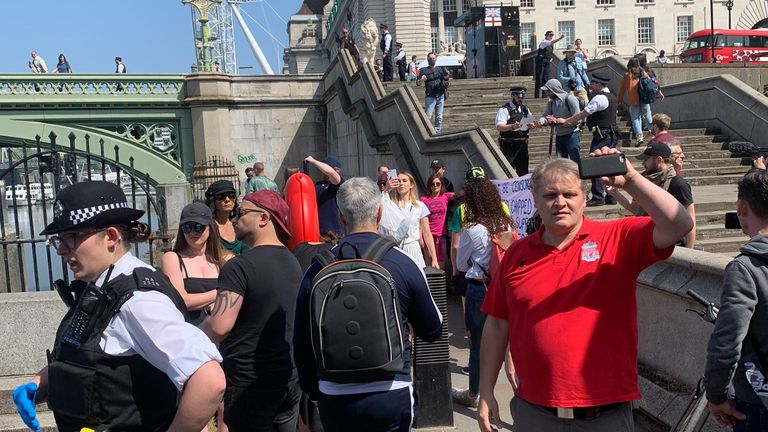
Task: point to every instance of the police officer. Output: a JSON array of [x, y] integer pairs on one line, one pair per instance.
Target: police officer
[[123, 351], [513, 141], [600, 113]]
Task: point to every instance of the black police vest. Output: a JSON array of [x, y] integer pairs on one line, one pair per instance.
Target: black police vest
[[605, 118], [383, 43], [90, 388], [515, 115]]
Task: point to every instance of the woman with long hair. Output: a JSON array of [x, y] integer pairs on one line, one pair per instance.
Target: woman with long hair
[[406, 219], [221, 198], [484, 218], [436, 199], [123, 349], [63, 65], [193, 264], [639, 113]]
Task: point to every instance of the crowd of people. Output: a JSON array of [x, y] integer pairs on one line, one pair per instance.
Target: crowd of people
[[37, 65]]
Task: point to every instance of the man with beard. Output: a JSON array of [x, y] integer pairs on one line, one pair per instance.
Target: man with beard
[[252, 320], [661, 172]]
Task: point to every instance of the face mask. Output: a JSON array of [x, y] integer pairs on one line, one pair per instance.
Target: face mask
[[432, 62]]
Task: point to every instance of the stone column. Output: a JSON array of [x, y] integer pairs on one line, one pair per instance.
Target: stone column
[[209, 97], [440, 25]]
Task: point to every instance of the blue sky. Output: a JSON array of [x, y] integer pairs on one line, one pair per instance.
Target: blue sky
[[152, 36]]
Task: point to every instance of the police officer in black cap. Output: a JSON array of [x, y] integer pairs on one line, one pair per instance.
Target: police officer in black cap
[[123, 351], [511, 122], [600, 113]]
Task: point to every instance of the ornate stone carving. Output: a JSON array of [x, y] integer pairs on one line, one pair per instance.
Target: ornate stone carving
[[370, 34]]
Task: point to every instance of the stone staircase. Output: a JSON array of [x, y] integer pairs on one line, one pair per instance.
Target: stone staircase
[[708, 168]]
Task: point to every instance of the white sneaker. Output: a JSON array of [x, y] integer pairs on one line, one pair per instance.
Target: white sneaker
[[464, 397]]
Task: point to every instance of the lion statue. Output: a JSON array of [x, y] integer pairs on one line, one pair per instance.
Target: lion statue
[[370, 34]]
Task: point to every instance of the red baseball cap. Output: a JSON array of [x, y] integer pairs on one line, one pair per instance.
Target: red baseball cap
[[274, 205]]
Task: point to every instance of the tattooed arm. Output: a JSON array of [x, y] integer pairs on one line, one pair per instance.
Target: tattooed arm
[[223, 316]]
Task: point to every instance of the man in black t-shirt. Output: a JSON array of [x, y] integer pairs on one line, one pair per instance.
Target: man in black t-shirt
[[438, 167], [435, 80], [327, 209], [252, 320]]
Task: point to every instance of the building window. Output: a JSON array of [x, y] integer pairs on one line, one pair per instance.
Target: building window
[[435, 41], [605, 32], [606, 2], [526, 31], [526, 4], [645, 31], [684, 27], [567, 29], [449, 5], [433, 6], [565, 3], [645, 1], [451, 35], [466, 5]]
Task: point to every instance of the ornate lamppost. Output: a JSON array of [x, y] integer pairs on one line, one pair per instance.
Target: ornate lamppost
[[203, 43], [729, 5]]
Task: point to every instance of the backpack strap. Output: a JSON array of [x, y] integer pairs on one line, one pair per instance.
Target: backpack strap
[[325, 258], [378, 249]]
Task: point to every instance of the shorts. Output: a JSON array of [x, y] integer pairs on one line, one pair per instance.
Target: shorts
[[256, 409]]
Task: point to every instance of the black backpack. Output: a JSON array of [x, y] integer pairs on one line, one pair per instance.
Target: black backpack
[[355, 317]]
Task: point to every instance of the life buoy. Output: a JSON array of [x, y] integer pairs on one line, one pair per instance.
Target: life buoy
[[302, 210]]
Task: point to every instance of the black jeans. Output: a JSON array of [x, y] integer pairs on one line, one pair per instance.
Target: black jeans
[[256, 409], [386, 411], [386, 62], [516, 152], [757, 418]]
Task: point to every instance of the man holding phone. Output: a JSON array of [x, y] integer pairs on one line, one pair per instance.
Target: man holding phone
[[564, 300], [600, 113]]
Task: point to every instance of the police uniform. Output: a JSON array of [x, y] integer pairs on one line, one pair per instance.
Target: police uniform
[[514, 143], [601, 120], [123, 351]]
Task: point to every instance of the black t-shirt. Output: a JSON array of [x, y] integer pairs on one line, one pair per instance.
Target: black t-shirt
[[434, 83], [306, 252], [681, 190], [327, 207], [448, 184], [258, 349]]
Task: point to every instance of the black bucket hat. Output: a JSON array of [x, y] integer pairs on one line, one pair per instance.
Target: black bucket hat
[[219, 186], [92, 204]]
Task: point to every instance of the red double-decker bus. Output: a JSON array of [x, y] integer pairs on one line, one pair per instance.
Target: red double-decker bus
[[730, 46]]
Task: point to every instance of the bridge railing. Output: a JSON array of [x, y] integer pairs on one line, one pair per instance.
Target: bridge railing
[[46, 88]]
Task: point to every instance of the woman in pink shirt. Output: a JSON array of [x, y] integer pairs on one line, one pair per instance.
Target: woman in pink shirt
[[436, 201]]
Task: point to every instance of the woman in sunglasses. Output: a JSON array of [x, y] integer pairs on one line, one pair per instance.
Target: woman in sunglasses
[[436, 200], [221, 198], [123, 358], [193, 264]]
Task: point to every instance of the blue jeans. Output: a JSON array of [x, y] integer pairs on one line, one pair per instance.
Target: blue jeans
[[640, 117], [435, 105], [568, 146], [475, 321], [757, 418], [608, 140]]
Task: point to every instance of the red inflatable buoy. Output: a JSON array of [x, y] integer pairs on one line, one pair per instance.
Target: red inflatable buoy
[[302, 206]]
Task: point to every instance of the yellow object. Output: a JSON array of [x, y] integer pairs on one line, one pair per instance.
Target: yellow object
[[85, 429]]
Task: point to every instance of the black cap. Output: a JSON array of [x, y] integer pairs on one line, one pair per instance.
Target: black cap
[[602, 79], [437, 163], [654, 149], [399, 44], [518, 90], [196, 212], [119, 58], [549, 33], [382, 25], [91, 204], [219, 186]]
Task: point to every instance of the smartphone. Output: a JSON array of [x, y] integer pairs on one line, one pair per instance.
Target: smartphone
[[732, 221], [602, 166], [392, 174]]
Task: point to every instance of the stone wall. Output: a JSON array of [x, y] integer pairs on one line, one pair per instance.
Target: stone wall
[[274, 119], [752, 74]]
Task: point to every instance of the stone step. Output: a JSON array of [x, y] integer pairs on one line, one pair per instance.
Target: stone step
[[7, 385], [726, 245], [713, 218], [13, 423], [716, 231]]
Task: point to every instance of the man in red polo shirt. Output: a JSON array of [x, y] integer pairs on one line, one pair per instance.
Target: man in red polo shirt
[[565, 299]]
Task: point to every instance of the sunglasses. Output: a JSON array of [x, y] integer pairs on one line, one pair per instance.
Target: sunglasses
[[223, 195], [198, 228], [437, 184], [242, 212]]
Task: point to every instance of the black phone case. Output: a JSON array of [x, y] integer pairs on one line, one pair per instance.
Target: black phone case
[[602, 166]]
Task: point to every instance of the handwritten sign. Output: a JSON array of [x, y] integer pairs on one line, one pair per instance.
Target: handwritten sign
[[516, 192]]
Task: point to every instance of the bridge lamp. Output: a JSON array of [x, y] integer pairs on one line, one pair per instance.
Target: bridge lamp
[[729, 5]]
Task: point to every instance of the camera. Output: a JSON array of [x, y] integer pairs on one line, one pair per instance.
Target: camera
[[732, 221], [747, 151]]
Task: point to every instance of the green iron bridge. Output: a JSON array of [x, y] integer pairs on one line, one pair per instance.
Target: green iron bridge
[[143, 115]]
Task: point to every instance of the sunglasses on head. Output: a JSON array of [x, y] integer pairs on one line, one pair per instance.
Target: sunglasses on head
[[192, 226], [221, 196]]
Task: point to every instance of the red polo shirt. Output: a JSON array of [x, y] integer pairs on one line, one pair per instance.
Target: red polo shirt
[[572, 313]]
